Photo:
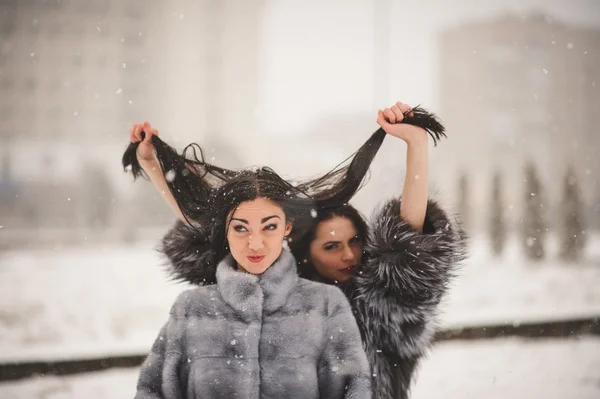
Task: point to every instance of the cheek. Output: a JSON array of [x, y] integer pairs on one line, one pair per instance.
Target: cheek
[[274, 241], [236, 243], [357, 250], [325, 259]]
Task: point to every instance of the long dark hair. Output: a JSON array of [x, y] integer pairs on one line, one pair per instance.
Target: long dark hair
[[205, 192], [301, 246], [249, 185]]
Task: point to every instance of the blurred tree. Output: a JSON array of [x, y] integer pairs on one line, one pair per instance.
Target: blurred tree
[[497, 218], [595, 208], [97, 195], [534, 227], [463, 201], [571, 222]]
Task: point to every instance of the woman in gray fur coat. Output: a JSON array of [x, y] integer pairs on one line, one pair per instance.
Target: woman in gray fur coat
[[260, 331], [394, 271]]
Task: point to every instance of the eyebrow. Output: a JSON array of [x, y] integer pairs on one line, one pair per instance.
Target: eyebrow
[[356, 237], [263, 220]]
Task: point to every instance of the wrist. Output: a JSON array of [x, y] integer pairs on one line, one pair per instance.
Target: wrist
[[147, 164], [418, 139]]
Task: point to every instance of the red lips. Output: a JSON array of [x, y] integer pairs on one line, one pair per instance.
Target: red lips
[[348, 270], [255, 259]]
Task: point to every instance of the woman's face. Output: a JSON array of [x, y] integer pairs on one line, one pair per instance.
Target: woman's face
[[255, 234], [336, 250]]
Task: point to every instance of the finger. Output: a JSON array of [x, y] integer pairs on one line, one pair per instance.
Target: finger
[[148, 131], [138, 131], [381, 120], [389, 115], [131, 135], [405, 108], [398, 113], [151, 132]]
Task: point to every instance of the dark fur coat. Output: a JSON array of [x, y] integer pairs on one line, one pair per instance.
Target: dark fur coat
[[394, 295]]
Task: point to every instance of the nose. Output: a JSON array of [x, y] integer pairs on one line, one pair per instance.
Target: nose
[[255, 242], [348, 255]]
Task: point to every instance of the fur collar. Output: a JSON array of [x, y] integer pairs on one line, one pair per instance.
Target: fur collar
[[248, 294]]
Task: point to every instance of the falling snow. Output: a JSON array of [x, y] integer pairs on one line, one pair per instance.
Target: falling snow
[[170, 175]]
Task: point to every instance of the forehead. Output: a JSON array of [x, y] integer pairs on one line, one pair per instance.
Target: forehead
[[336, 229], [257, 209]]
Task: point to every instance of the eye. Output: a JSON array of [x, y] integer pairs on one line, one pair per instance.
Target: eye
[[271, 227], [355, 240], [330, 247], [239, 228]]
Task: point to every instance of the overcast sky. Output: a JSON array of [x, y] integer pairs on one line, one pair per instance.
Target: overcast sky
[[318, 55]]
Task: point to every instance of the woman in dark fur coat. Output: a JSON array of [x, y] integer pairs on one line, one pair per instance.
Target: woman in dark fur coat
[[394, 271]]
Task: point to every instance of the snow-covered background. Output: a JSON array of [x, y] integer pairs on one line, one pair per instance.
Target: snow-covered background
[[75, 75], [494, 369], [97, 301]]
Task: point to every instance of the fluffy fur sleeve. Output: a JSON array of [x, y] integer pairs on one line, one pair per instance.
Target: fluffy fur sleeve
[[405, 276], [188, 251]]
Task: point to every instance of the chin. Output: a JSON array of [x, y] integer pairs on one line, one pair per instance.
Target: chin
[[342, 278], [254, 268]]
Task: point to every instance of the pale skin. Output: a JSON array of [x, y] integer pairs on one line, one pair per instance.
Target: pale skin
[[335, 265], [255, 234], [147, 159], [336, 249], [255, 228]]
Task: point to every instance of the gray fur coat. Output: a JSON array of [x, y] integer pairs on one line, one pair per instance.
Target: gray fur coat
[[394, 297], [269, 336]]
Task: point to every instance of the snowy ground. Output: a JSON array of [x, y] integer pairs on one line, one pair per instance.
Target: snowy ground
[[511, 368], [493, 369], [60, 304], [513, 290], [103, 300]]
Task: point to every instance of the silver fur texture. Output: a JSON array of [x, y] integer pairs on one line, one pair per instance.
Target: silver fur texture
[[394, 296], [269, 336]]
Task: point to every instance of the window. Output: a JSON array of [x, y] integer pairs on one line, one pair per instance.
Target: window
[[134, 12], [54, 112], [77, 60], [54, 86], [134, 39], [54, 30], [95, 6], [30, 84], [6, 83], [7, 23], [33, 27], [6, 112]]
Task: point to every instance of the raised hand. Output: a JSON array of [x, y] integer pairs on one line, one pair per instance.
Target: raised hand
[[145, 151], [390, 120]]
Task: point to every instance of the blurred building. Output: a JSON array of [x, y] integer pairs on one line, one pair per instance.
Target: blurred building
[[515, 89], [75, 75]]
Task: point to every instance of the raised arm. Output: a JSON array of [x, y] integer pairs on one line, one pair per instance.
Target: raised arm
[[415, 191], [414, 249], [147, 159]]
